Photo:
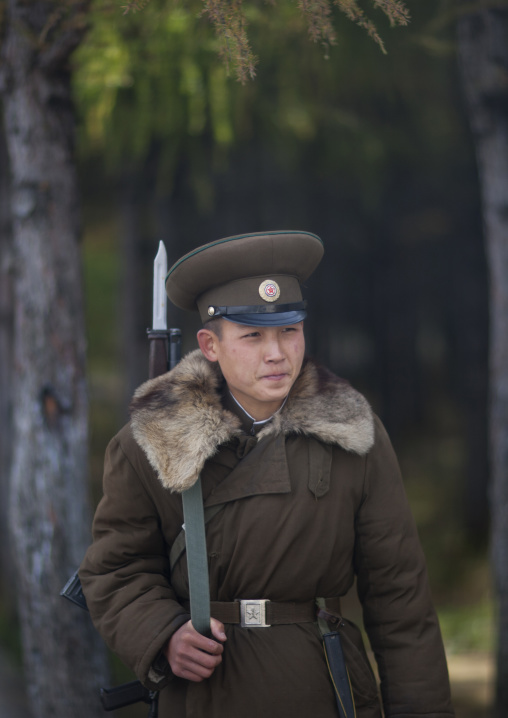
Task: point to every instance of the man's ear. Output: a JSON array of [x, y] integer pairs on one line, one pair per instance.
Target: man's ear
[[208, 342]]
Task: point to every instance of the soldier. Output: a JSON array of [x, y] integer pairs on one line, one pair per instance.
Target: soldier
[[305, 494]]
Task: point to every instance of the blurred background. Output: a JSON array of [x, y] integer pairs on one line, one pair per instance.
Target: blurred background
[[373, 153]]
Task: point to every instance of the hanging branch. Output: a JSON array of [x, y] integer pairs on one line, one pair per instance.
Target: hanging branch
[[230, 23]]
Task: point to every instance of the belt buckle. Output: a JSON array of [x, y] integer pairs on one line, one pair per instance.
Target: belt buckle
[[253, 612]]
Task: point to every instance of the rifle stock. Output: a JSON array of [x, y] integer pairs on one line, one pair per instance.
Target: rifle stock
[[73, 591], [125, 695], [165, 350], [158, 352]]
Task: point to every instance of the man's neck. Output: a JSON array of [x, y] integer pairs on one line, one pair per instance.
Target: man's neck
[[250, 423]]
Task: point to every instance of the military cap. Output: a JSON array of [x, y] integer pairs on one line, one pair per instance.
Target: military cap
[[251, 279]]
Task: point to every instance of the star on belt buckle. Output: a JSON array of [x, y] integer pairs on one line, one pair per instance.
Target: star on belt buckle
[[253, 612]]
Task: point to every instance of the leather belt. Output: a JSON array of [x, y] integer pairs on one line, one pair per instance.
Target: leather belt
[[262, 613]]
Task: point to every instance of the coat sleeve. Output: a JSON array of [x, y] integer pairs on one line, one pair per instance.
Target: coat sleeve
[[125, 572], [393, 588]]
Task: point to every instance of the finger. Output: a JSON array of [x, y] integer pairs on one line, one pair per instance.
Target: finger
[[218, 630], [188, 652], [202, 643], [198, 665], [192, 657]]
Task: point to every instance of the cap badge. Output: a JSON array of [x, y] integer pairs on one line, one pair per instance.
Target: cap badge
[[269, 290]]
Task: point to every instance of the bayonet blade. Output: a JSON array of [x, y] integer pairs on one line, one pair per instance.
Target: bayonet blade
[[160, 268]]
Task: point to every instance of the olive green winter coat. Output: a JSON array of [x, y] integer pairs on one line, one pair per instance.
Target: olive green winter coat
[[312, 500]]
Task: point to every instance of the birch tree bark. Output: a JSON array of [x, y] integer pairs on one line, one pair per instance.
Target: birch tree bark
[[483, 60], [6, 343], [49, 516]]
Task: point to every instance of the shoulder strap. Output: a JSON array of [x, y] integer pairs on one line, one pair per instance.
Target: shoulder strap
[[197, 558], [178, 547]]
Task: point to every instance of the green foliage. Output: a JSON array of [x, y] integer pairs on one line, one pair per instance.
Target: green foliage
[[230, 20], [468, 628], [135, 6], [155, 78], [153, 85], [139, 82], [395, 10]]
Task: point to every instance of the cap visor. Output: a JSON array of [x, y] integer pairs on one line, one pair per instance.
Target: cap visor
[[277, 319]]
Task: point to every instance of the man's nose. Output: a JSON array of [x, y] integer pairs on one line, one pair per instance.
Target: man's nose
[[273, 350]]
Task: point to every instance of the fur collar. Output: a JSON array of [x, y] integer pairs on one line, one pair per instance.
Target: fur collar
[[183, 409]]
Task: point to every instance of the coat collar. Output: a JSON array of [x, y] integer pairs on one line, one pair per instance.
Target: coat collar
[[179, 421]]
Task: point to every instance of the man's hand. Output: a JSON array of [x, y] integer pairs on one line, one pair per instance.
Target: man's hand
[[191, 655]]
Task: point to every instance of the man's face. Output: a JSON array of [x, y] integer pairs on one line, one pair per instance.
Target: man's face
[[260, 364]]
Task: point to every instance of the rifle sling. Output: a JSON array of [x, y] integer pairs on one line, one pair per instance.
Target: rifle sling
[[178, 547], [197, 558]]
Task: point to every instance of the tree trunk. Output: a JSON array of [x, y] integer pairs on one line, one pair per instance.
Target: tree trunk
[[6, 348], [49, 505], [483, 56]]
